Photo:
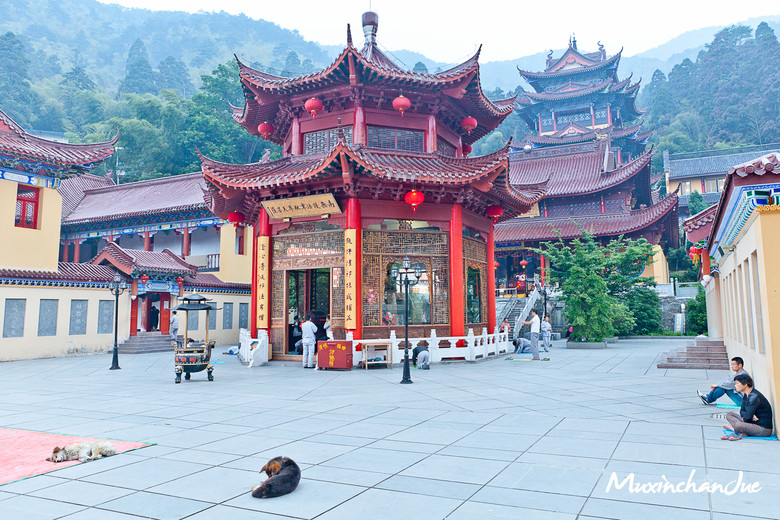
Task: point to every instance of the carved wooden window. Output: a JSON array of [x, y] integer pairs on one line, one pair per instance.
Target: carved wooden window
[[395, 139], [27, 207], [394, 305], [323, 141], [444, 147]]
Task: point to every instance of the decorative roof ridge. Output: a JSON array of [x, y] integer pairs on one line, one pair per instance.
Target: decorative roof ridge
[[564, 72], [769, 163], [700, 219], [601, 85], [13, 125]]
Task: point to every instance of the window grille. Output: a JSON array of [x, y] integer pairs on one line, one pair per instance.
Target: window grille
[[395, 139], [323, 141], [27, 207]]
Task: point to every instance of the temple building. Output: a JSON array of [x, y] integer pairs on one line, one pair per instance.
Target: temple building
[[587, 144], [69, 232], [375, 169]]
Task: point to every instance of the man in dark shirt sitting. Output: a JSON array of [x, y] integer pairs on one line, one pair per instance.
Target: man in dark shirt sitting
[[755, 416]]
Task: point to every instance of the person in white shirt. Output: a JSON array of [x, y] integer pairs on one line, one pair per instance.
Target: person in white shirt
[[535, 328], [309, 332]]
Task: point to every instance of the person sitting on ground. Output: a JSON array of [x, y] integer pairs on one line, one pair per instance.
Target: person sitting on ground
[[755, 415], [421, 355], [726, 386]]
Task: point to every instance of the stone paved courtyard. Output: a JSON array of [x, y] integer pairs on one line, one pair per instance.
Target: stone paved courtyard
[[492, 440]]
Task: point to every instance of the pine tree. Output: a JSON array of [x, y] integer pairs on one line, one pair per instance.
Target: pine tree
[[17, 98], [139, 78], [174, 75]]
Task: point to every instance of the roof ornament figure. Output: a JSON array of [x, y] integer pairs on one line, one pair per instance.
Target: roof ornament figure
[[266, 156], [573, 42], [550, 58], [602, 51], [349, 35]]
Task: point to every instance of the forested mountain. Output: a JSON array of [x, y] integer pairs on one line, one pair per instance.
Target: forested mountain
[[729, 96], [164, 80]]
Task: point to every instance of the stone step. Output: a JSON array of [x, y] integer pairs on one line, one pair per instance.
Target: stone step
[[705, 366], [717, 350], [713, 355], [713, 342]]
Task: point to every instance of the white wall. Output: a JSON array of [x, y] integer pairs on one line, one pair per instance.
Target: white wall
[[131, 242], [168, 240], [204, 241]]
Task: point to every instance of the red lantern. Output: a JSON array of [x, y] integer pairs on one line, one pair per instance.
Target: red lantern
[[696, 250], [496, 264], [265, 128], [179, 280], [236, 218], [143, 278], [468, 124], [523, 263], [402, 104], [313, 105], [466, 148], [414, 198], [494, 212]]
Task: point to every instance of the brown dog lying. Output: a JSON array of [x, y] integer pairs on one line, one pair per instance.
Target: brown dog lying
[[284, 475]]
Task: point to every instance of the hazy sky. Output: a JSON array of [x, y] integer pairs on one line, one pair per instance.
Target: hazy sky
[[450, 31]]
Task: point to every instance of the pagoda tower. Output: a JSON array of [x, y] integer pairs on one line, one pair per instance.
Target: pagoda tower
[[579, 98], [588, 146], [375, 169]]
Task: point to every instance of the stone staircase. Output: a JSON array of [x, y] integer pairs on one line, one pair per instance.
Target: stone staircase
[[709, 353], [145, 342]]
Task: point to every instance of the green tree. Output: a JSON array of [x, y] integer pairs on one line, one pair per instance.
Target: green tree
[[78, 79], [420, 67], [17, 97], [696, 203], [139, 77], [645, 305], [174, 75], [696, 314]]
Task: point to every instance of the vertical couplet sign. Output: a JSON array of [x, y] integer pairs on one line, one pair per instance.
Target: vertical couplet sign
[[351, 298], [263, 280]]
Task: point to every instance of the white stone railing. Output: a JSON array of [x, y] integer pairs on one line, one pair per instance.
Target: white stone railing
[[469, 348]]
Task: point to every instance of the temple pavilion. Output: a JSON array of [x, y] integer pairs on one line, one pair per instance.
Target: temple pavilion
[[586, 142], [376, 168]]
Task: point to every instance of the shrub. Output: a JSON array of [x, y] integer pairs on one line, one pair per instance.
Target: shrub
[[696, 314], [645, 306]]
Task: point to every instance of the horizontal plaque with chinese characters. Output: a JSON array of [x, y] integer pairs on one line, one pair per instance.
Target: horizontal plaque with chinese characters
[[307, 206]]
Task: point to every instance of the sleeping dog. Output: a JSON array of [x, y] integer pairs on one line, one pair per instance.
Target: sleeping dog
[[82, 451], [284, 475]]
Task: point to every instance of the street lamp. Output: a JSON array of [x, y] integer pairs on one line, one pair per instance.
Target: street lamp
[[405, 278], [117, 286]]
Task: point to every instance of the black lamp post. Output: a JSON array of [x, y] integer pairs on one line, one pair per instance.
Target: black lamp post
[[405, 278], [117, 286]]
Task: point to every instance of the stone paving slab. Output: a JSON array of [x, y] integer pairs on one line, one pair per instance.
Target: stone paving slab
[[490, 440]]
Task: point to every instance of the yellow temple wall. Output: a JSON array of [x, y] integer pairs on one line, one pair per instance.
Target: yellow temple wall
[[235, 267], [31, 345], [24, 248], [749, 297], [658, 270]]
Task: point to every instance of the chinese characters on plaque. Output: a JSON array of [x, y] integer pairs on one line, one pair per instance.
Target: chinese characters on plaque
[[307, 206], [263, 280], [351, 297]]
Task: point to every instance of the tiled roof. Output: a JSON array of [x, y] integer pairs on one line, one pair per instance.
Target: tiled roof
[[66, 271], [167, 194], [603, 224], [134, 261], [572, 173], [72, 189], [431, 170], [769, 163], [680, 168], [701, 219], [14, 140], [587, 134], [590, 89], [573, 70], [212, 281]]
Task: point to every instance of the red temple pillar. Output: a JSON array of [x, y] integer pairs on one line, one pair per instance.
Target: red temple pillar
[[134, 308], [261, 275], [65, 251], [253, 287], [705, 262], [354, 221], [185, 243], [555, 123], [457, 314], [491, 295], [76, 250], [359, 129], [609, 115], [592, 117], [431, 134], [297, 141], [542, 267], [459, 149], [146, 314], [540, 124], [147, 241], [165, 313]]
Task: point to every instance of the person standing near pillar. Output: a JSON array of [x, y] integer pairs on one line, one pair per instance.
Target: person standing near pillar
[[309, 332]]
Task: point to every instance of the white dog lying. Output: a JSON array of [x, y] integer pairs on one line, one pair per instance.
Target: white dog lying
[[83, 451]]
